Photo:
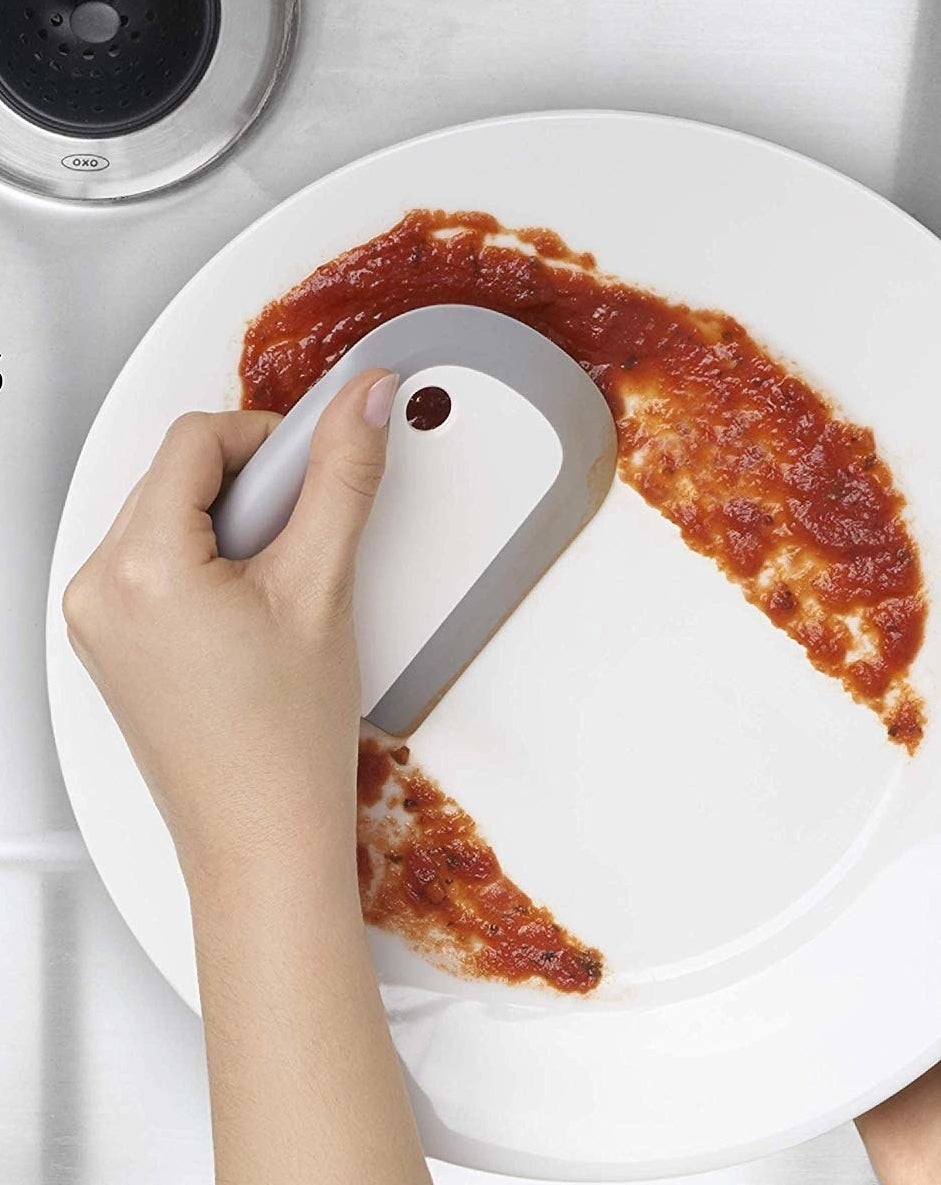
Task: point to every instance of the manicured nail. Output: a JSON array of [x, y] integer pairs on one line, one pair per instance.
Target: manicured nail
[[379, 400]]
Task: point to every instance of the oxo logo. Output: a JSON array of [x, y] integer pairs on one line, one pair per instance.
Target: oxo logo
[[81, 163]]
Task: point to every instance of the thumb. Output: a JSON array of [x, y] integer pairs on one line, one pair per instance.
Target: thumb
[[347, 460]]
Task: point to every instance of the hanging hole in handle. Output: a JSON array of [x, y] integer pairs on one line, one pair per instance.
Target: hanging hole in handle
[[428, 408]]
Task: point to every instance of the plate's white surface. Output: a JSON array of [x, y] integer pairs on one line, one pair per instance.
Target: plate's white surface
[[761, 867]]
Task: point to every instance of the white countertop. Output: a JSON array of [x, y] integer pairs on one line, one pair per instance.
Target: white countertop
[[101, 1073]]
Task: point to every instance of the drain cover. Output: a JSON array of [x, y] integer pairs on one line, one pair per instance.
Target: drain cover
[[103, 69], [106, 99]]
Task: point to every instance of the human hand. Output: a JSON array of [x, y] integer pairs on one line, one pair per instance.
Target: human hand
[[903, 1134], [236, 686], [236, 683]]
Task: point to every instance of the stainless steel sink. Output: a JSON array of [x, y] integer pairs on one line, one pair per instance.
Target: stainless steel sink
[[101, 1071]]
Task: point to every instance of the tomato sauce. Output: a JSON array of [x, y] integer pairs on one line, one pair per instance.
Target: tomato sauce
[[756, 469], [426, 873]]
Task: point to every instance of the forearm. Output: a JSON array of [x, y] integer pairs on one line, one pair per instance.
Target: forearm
[[304, 1081], [903, 1135]]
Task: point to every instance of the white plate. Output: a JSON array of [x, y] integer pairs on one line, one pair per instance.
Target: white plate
[[760, 866]]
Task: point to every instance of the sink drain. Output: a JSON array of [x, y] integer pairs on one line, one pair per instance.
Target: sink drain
[[103, 69], [102, 100]]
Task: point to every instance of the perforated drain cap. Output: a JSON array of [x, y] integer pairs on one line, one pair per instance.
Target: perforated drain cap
[[100, 69]]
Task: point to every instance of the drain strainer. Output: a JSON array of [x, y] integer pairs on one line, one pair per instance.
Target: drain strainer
[[103, 69], [102, 100]]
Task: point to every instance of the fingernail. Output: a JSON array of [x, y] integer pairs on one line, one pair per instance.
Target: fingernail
[[379, 400]]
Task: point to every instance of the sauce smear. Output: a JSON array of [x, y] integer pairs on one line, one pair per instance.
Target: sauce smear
[[425, 872], [755, 468]]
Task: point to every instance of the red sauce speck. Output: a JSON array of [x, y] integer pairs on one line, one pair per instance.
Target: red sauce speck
[[364, 868], [371, 777]]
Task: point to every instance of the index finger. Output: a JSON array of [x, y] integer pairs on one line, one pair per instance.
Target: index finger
[[199, 451]]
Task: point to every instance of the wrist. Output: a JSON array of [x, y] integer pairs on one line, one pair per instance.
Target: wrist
[[304, 854], [269, 895], [236, 822]]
